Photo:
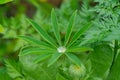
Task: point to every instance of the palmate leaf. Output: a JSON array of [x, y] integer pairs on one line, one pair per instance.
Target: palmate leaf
[[37, 42], [42, 57], [79, 49], [55, 26], [79, 33], [54, 58], [43, 34], [34, 50], [69, 29], [73, 58]]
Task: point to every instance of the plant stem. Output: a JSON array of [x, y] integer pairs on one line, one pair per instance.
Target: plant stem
[[115, 52]]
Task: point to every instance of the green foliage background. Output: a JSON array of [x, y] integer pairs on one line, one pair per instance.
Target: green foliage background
[[31, 32]]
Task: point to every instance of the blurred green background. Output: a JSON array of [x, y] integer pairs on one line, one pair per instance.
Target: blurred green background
[[13, 23]]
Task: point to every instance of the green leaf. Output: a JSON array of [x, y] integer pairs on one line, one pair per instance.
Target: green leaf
[[43, 34], [115, 70], [33, 50], [3, 74], [38, 71], [42, 57], [79, 33], [60, 77], [73, 58], [1, 29], [69, 29], [12, 69], [55, 26], [114, 34], [36, 42], [54, 58], [74, 4], [79, 49], [5, 1], [101, 59]]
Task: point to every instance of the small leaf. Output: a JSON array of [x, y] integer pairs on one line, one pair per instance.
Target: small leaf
[[73, 58], [13, 69], [55, 26], [80, 49], [5, 1], [43, 34], [37, 42], [70, 26], [42, 57], [54, 58], [79, 33], [114, 34], [33, 50]]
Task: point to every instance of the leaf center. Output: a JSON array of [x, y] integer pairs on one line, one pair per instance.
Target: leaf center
[[61, 49]]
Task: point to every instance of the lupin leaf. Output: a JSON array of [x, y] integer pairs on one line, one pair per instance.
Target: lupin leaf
[[55, 26]]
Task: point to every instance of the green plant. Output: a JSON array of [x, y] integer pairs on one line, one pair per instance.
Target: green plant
[[12, 23], [56, 49], [79, 52]]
